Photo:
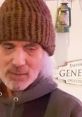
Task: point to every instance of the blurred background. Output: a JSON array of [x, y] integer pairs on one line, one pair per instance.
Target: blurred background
[[68, 56]]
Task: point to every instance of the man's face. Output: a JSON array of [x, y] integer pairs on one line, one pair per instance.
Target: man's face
[[20, 63]]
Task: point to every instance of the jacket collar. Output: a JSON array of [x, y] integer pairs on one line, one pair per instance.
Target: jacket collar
[[38, 89]]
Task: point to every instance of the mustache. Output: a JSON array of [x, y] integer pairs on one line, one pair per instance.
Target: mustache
[[18, 70]]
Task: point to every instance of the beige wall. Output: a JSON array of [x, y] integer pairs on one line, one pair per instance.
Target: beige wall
[[68, 45]]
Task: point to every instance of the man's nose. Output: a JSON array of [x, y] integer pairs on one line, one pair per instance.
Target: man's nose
[[19, 58]]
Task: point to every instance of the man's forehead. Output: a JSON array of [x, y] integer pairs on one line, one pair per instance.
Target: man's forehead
[[18, 42]]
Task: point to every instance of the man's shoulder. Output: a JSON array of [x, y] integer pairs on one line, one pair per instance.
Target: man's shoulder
[[64, 97], [63, 104]]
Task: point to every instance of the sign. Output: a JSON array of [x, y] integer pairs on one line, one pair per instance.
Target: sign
[[71, 72]]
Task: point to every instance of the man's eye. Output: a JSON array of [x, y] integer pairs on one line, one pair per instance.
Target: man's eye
[[7, 46], [31, 48]]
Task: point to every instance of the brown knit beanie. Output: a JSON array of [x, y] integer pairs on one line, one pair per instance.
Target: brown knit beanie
[[27, 20]]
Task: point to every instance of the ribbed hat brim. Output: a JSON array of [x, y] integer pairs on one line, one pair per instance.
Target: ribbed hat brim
[[24, 20]]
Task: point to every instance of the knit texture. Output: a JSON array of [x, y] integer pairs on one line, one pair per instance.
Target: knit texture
[[28, 20]]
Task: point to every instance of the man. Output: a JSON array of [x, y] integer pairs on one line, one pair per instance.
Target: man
[[27, 42]]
